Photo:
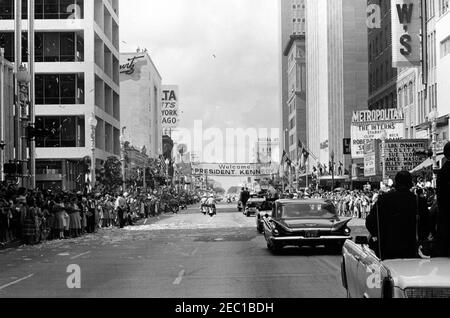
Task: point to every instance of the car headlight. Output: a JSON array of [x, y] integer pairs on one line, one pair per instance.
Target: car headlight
[[347, 231]]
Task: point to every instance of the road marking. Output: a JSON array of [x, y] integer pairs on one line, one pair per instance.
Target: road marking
[[194, 252], [78, 256], [63, 254], [16, 282], [178, 280]]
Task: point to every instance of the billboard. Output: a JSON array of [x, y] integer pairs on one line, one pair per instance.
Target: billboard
[[234, 170], [170, 107], [402, 155], [370, 125], [370, 159], [406, 33]]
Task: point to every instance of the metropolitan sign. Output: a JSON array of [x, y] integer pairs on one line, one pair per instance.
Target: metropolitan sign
[[370, 125], [170, 100], [406, 34]]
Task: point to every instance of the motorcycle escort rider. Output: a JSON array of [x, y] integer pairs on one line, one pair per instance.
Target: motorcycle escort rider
[[211, 203], [203, 203]]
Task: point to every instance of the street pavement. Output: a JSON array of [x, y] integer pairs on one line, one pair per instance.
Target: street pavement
[[188, 255]]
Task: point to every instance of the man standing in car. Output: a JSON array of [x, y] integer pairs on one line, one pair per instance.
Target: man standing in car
[[443, 200], [393, 221]]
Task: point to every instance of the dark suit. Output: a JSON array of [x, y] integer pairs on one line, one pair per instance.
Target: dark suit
[[443, 217], [397, 212]]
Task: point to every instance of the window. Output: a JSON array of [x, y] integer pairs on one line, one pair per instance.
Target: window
[[62, 89], [445, 47], [45, 9], [60, 132]]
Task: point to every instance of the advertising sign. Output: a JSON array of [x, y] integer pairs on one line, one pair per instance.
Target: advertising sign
[[233, 170], [406, 33], [370, 164], [402, 155], [170, 107], [370, 125]]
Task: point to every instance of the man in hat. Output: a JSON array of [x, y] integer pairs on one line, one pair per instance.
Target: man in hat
[[392, 222], [443, 198]]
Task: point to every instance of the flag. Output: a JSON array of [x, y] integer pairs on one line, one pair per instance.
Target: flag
[[286, 159]]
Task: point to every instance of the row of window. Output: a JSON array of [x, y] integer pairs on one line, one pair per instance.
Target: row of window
[[49, 46], [406, 95], [444, 6], [59, 89], [60, 132], [45, 9], [380, 76]]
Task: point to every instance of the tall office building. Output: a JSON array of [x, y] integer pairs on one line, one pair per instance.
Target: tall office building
[[292, 23], [382, 76], [77, 85], [337, 73]]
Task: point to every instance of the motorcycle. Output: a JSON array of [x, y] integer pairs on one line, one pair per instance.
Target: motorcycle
[[204, 209], [211, 211], [229, 200]]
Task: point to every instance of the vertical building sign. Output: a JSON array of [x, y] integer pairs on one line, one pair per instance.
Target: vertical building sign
[[170, 108], [406, 33]]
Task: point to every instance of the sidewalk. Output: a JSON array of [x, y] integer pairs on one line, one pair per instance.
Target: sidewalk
[[13, 244]]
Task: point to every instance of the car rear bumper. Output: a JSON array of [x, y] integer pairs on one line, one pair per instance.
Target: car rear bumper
[[295, 240]]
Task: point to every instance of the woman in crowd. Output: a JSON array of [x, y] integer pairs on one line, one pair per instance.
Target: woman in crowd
[[30, 223], [75, 218], [59, 221]]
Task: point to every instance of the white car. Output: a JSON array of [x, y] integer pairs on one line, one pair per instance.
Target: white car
[[364, 275]]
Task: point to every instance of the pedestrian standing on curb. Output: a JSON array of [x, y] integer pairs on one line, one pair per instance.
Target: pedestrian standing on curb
[[75, 218], [443, 202], [121, 205]]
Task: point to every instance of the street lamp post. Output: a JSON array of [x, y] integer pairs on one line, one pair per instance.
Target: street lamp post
[[332, 169], [433, 117], [122, 158], [93, 122], [383, 154]]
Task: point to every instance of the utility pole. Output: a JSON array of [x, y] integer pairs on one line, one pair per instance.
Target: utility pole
[[17, 65], [2, 115], [32, 110]]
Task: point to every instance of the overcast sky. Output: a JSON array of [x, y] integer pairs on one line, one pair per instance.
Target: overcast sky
[[236, 88]]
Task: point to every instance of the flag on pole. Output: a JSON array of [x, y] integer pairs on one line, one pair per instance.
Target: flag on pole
[[286, 159]]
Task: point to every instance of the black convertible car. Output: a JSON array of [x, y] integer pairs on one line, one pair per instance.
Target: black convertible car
[[305, 223]]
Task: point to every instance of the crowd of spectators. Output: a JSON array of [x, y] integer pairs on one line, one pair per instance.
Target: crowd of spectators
[[37, 216]]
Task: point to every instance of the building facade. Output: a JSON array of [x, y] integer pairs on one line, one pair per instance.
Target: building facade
[[382, 76], [140, 96], [6, 114], [292, 23], [296, 73], [267, 150], [434, 93], [337, 74], [77, 92]]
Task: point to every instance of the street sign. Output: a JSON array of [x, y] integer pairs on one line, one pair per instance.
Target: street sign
[[347, 146]]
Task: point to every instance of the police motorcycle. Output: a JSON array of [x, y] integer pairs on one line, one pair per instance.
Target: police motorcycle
[[204, 205], [211, 203]]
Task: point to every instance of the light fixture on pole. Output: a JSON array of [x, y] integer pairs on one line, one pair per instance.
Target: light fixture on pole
[[93, 122], [383, 155], [432, 118]]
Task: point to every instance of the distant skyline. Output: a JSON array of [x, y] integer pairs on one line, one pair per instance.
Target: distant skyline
[[223, 55]]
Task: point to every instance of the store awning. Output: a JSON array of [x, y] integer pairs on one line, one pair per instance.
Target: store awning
[[426, 164]]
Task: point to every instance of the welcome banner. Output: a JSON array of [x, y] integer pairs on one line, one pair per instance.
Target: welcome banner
[[234, 170]]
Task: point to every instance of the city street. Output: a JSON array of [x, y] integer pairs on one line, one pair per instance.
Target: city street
[[187, 255]]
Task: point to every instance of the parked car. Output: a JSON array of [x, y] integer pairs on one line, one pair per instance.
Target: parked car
[[305, 223], [364, 275]]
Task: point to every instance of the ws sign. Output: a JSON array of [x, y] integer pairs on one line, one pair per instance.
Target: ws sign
[[406, 33], [170, 107]]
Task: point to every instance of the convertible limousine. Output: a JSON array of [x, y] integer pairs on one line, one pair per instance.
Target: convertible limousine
[[364, 275]]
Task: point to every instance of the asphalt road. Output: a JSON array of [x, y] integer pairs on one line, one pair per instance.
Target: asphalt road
[[177, 256]]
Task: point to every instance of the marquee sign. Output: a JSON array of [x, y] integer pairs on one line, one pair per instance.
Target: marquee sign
[[370, 125]]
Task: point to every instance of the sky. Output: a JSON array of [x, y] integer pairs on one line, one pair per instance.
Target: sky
[[223, 55]]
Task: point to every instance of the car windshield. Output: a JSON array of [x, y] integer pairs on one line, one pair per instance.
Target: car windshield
[[309, 211]]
